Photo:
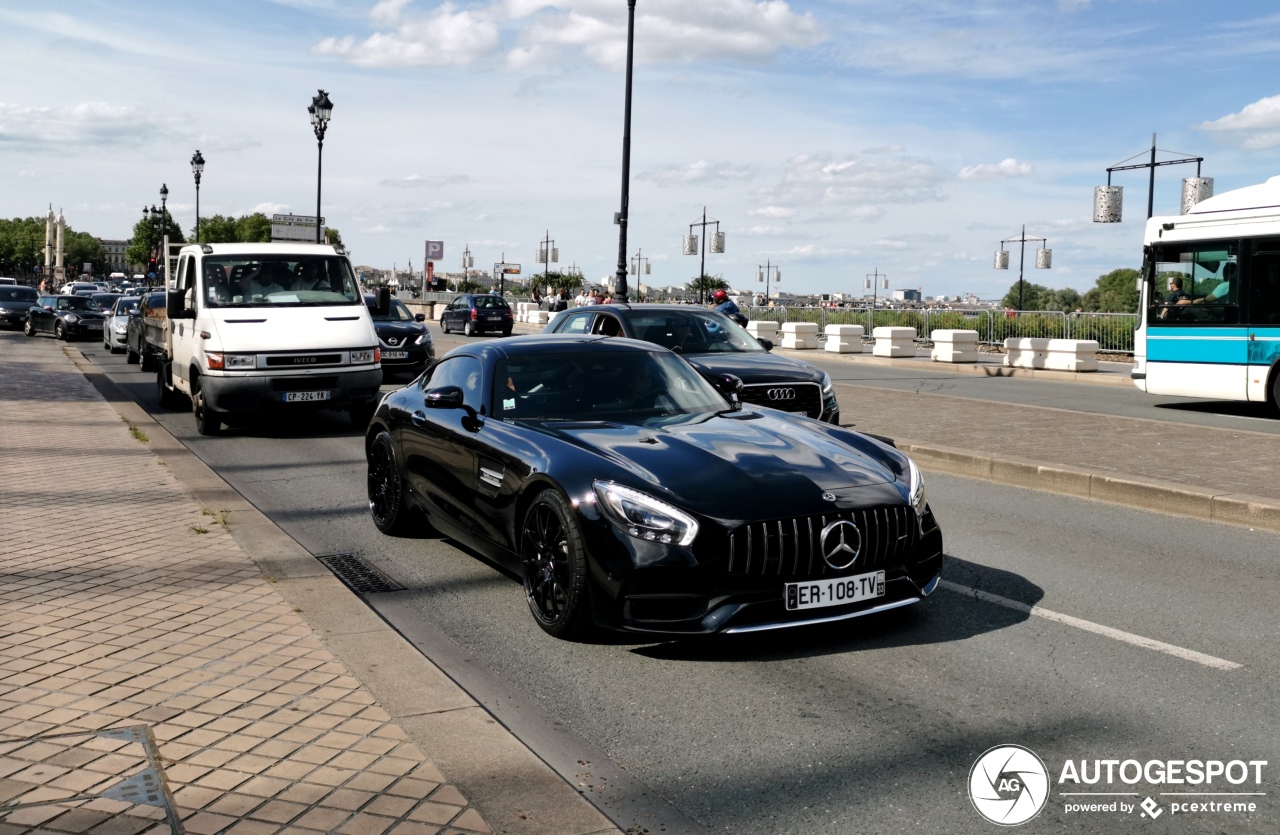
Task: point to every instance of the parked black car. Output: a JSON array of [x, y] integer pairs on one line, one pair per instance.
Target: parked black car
[[66, 317], [15, 301], [474, 313], [406, 344], [631, 493], [714, 345], [136, 349]]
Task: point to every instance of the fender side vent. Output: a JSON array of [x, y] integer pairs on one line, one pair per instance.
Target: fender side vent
[[358, 574]]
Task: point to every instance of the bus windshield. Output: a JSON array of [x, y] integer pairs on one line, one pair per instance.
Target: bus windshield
[[1195, 283]]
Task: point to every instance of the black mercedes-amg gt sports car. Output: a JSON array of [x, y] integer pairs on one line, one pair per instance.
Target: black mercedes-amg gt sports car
[[631, 493]]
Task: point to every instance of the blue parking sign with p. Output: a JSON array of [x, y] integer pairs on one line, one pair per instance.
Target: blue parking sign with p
[[435, 250]]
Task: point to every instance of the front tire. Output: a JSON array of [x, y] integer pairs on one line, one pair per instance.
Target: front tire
[[554, 558], [59, 332], [388, 502], [208, 422], [28, 329]]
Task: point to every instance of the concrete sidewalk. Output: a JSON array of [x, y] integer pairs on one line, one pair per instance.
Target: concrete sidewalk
[[153, 679]]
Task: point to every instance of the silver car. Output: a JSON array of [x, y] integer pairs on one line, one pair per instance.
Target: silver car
[[115, 334]]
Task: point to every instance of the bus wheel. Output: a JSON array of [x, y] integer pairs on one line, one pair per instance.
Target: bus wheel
[[1275, 391]]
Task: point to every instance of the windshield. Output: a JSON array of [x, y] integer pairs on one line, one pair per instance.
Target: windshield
[[18, 294], [273, 281], [621, 386], [397, 313], [694, 332], [1195, 283], [78, 303], [124, 305], [489, 302]]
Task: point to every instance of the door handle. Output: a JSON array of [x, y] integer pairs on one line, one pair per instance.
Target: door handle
[[418, 418]]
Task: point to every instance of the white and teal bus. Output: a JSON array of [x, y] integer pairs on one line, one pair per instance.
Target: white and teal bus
[[1210, 289]]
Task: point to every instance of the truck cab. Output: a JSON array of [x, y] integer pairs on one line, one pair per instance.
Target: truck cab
[[258, 327]]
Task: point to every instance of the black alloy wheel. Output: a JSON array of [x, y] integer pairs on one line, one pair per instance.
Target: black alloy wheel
[[555, 568], [388, 505], [208, 422]]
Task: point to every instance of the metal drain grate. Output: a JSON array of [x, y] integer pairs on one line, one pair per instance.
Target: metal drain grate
[[358, 574]]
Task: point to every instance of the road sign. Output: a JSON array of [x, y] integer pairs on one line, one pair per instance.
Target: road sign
[[507, 269], [295, 228], [435, 251]]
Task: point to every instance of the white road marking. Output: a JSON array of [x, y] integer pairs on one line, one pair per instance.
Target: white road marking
[[1097, 628]]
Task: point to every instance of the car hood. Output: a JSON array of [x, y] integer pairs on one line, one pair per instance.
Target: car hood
[[17, 304], [399, 329], [254, 329], [754, 367], [747, 463]]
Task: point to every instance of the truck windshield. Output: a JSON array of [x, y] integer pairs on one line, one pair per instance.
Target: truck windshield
[[274, 281]]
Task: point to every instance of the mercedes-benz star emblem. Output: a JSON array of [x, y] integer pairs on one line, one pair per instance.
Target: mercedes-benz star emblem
[[828, 497], [841, 541], [781, 394]]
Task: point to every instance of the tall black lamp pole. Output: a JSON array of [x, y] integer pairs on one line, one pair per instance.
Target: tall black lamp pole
[[321, 109], [197, 168], [620, 277]]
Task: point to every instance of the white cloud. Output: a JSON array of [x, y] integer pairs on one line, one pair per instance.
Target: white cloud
[[1005, 169], [772, 211], [698, 173], [387, 12], [891, 243], [269, 209], [443, 37], [819, 178], [416, 180], [1255, 127], [765, 231], [68, 129]]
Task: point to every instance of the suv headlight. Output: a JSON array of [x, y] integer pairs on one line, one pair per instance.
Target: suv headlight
[[828, 387], [424, 339], [644, 517]]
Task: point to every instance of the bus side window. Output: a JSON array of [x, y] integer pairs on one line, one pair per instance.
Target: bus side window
[[1264, 289]]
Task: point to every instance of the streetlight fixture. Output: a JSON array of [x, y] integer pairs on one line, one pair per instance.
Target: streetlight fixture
[[764, 274], [691, 245], [320, 109], [620, 276], [548, 253], [1044, 257], [468, 262], [1107, 199], [197, 168], [875, 281], [639, 266]]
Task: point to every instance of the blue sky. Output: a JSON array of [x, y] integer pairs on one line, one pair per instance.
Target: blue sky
[[831, 138]]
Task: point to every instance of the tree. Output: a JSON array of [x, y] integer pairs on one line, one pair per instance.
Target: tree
[[82, 248], [555, 281], [707, 285], [1116, 292], [254, 228], [333, 236], [1031, 294], [218, 229], [1066, 300], [147, 239]]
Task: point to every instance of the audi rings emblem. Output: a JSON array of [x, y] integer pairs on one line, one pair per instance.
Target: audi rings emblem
[[781, 394], [840, 542]]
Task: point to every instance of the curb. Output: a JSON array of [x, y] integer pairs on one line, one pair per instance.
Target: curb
[[457, 734], [1113, 488]]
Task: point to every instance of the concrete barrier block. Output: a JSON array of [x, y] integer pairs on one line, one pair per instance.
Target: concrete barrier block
[[536, 317], [894, 342], [950, 345], [844, 339], [763, 329], [800, 328], [1073, 355]]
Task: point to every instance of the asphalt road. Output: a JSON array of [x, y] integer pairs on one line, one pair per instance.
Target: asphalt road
[[869, 727]]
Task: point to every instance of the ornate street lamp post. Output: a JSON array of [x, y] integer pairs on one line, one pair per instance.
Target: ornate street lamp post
[[197, 168], [691, 246], [620, 277], [872, 282], [765, 273], [1044, 257], [321, 109], [1108, 199]]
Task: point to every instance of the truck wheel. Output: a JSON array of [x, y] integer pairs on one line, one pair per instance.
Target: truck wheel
[[169, 398], [208, 422], [130, 356], [1275, 393], [145, 358]]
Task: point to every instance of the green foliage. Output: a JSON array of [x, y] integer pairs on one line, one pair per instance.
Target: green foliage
[[707, 284], [557, 281], [21, 245], [253, 229], [147, 237], [218, 229], [333, 236], [1117, 292], [468, 286], [1031, 295]]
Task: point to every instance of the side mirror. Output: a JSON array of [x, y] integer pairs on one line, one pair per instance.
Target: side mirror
[[174, 302], [730, 386], [419, 317], [767, 344], [383, 307], [446, 397], [133, 311]]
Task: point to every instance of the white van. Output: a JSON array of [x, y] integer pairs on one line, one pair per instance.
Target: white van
[[257, 327], [8, 281]]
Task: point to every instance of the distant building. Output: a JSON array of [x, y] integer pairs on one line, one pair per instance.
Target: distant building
[[907, 295], [116, 260]]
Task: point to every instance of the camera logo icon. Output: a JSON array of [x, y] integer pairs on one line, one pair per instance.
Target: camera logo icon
[[1009, 785]]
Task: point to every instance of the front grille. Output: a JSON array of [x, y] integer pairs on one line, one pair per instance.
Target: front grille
[[315, 383], [791, 547], [304, 360], [789, 397]]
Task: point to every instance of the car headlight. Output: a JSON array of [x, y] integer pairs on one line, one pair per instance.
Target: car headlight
[[424, 339], [72, 318], [643, 516], [916, 488], [241, 361], [362, 357], [121, 327], [828, 387]]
